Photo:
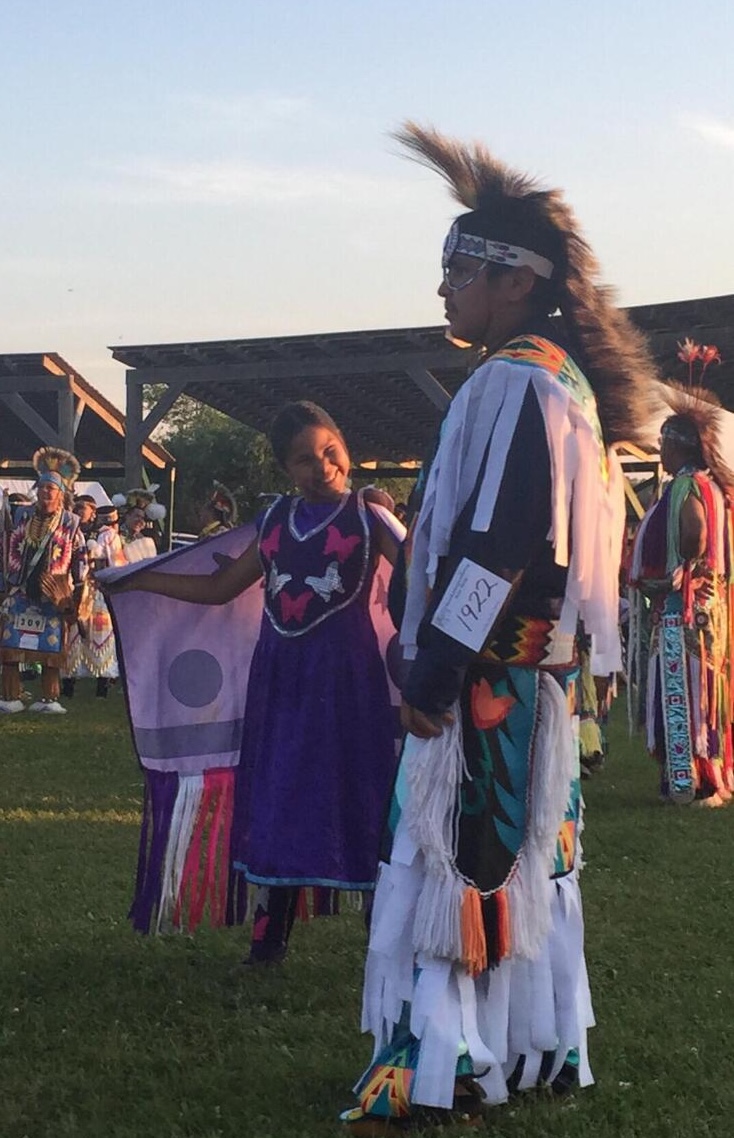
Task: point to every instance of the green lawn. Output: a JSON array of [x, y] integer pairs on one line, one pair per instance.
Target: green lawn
[[105, 1034]]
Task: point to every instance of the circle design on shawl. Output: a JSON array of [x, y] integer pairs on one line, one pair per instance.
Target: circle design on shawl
[[195, 677]]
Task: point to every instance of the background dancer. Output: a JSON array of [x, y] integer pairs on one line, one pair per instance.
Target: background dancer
[[683, 563], [46, 566], [91, 651], [220, 512]]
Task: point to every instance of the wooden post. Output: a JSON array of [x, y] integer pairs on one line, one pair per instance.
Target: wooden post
[[171, 504], [133, 432], [430, 386], [66, 409]]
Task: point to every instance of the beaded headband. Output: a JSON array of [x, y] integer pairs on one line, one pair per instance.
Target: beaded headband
[[498, 252]]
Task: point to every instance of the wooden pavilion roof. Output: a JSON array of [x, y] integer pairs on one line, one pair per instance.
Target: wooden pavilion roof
[[386, 388], [32, 390]]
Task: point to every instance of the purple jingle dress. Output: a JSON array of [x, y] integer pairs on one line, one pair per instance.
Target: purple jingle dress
[[318, 753]]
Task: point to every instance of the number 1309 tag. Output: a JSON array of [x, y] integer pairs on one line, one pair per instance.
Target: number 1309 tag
[[470, 605], [30, 621]]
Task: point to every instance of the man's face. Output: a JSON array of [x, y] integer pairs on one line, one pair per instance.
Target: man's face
[[478, 300], [672, 455], [675, 452], [50, 497]]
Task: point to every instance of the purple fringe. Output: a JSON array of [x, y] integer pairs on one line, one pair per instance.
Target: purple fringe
[[161, 789]]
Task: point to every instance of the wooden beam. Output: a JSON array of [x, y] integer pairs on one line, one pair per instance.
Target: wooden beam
[[152, 456], [430, 386], [134, 435], [53, 366], [10, 384], [624, 448], [113, 418], [162, 407], [35, 422], [385, 472], [65, 404], [632, 498], [80, 405], [387, 364]]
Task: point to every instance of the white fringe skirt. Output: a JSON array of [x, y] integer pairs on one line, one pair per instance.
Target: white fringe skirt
[[521, 1010]]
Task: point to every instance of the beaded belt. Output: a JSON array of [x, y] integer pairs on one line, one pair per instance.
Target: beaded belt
[[531, 642]]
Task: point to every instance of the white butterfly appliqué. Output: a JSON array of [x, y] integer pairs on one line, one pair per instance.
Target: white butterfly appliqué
[[330, 583], [277, 580]]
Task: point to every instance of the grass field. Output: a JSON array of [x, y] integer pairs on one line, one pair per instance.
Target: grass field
[[105, 1034]]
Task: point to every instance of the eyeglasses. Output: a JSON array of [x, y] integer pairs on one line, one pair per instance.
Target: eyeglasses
[[458, 276]]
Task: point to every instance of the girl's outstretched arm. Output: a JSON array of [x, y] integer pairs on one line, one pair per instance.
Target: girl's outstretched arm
[[217, 588]]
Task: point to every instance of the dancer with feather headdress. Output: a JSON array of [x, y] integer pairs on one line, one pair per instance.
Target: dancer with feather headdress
[[219, 514], [46, 567], [475, 978], [683, 569]]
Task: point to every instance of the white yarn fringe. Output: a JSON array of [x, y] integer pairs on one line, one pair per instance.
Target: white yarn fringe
[[521, 1007], [183, 820], [552, 768], [434, 770]]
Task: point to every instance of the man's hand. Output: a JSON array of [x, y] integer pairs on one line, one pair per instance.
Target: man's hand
[[423, 726]]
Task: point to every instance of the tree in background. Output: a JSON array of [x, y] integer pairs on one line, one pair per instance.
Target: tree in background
[[209, 445]]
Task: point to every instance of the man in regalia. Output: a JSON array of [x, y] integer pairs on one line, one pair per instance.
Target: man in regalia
[[220, 512], [475, 981], [91, 649], [682, 565], [85, 507], [47, 564]]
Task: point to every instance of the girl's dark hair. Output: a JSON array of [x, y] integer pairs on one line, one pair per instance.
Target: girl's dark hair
[[294, 418]]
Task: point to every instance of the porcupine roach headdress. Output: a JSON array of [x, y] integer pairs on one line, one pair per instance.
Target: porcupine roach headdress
[[697, 419], [222, 501], [52, 464], [515, 217]]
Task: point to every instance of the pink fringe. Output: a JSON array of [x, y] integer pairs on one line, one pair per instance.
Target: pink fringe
[[206, 869]]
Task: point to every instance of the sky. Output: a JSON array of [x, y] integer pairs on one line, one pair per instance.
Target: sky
[[176, 171]]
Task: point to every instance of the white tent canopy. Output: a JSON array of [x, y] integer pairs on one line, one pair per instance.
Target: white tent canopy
[[25, 486]]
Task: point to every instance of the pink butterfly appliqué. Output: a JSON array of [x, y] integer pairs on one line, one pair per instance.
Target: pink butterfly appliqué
[[294, 608], [343, 547], [271, 544]]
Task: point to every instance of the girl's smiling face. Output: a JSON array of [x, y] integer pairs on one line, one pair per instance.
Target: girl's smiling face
[[318, 463]]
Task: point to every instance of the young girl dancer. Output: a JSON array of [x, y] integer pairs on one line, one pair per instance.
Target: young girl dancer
[[318, 754]]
